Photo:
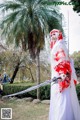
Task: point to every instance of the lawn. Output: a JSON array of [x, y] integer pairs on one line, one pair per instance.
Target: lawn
[[22, 110]]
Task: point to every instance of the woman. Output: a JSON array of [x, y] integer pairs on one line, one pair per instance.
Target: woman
[[64, 103]]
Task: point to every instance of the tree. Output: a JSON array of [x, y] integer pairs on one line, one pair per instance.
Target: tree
[[76, 5], [76, 58], [16, 69], [27, 22]]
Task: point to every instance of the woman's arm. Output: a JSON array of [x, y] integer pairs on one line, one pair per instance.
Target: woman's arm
[[64, 71]]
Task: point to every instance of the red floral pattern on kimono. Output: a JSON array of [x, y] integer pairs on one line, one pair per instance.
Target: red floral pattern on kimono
[[75, 82], [64, 69], [59, 55]]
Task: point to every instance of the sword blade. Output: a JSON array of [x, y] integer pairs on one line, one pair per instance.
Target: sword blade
[[33, 87]]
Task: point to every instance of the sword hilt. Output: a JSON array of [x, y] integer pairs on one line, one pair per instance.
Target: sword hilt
[[55, 79]]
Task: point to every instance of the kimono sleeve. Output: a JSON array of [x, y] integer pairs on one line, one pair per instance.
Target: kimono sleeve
[[63, 68]]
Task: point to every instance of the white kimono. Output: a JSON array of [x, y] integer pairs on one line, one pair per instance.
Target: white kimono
[[64, 105]]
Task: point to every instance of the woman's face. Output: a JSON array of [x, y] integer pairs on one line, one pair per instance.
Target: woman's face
[[54, 36]]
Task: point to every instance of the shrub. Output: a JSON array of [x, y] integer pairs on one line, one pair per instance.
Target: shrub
[[44, 91], [17, 87], [78, 91]]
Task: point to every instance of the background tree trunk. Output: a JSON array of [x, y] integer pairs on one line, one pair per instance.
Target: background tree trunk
[[38, 74], [15, 72]]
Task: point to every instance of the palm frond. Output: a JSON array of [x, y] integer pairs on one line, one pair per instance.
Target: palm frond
[[10, 5], [29, 21]]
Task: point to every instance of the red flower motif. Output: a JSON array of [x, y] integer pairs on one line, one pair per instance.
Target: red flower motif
[[75, 82], [64, 68], [59, 54]]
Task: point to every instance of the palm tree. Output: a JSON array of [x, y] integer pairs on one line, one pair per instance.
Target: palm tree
[[27, 22]]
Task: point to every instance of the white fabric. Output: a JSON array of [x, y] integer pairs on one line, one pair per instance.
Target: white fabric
[[64, 105]]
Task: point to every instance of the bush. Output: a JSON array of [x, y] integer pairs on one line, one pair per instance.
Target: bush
[[17, 87], [78, 91], [44, 91]]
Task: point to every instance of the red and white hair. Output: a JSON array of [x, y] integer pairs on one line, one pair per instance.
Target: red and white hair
[[58, 32]]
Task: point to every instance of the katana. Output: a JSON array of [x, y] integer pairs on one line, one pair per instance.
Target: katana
[[54, 80]]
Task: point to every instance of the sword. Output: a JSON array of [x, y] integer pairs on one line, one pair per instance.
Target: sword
[[54, 80]]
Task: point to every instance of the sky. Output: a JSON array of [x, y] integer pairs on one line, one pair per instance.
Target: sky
[[74, 25]]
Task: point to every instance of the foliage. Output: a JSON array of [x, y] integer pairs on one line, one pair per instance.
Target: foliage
[[44, 91], [26, 22], [8, 60], [27, 68], [78, 91], [76, 5], [13, 88], [76, 58], [16, 87]]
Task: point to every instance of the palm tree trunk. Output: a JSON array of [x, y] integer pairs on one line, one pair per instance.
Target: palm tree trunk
[[38, 74], [15, 72]]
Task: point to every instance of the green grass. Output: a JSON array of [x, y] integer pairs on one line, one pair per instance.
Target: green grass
[[23, 110]]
